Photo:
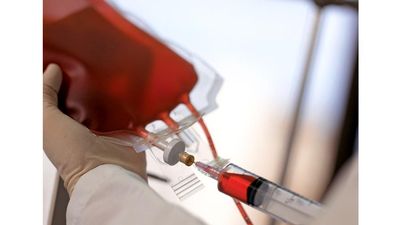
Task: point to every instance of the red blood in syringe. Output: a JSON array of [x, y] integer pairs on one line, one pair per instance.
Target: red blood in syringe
[[192, 109], [235, 185]]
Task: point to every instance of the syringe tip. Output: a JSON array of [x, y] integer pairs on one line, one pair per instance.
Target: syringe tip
[[207, 170], [200, 165]]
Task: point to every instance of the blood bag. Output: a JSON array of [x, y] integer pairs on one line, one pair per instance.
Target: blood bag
[[118, 79], [126, 83]]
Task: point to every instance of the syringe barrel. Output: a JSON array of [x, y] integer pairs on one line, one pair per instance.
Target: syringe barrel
[[266, 196]]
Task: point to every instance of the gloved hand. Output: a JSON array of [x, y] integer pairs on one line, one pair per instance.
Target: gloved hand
[[73, 148]]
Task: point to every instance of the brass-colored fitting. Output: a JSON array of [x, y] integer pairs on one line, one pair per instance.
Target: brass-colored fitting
[[186, 158]]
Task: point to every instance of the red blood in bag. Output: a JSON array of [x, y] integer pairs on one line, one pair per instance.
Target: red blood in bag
[[116, 77]]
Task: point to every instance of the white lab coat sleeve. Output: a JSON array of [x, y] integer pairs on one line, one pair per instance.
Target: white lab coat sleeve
[[111, 195]]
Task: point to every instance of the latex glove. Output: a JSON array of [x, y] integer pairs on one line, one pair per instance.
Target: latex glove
[[73, 148]]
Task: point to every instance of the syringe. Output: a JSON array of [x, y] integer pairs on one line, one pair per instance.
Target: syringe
[[260, 193]]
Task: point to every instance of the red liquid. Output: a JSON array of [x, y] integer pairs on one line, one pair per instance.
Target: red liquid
[[243, 212], [116, 77], [203, 125], [169, 121], [235, 185], [193, 110]]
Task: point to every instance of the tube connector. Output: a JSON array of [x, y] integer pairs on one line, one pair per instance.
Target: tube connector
[[186, 158]]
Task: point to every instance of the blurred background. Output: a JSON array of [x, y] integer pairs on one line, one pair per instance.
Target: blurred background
[[288, 107]]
